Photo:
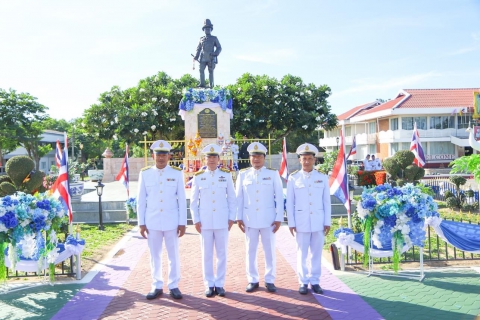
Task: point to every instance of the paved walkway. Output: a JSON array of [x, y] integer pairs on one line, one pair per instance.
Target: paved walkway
[[116, 289]]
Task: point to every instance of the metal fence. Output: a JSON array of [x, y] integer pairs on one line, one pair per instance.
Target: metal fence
[[435, 250], [65, 268], [441, 183]]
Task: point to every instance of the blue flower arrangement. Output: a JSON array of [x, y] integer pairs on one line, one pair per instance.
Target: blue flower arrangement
[[191, 96], [395, 215], [131, 207], [23, 219]]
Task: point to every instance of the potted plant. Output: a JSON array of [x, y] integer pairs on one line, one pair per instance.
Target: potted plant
[[94, 173]]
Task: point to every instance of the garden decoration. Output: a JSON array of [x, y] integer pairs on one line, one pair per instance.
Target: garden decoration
[[191, 96], [401, 169], [131, 207], [21, 176], [28, 234], [394, 217]]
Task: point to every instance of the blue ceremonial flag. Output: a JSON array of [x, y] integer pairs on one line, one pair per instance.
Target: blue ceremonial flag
[[416, 148], [338, 179], [353, 149]]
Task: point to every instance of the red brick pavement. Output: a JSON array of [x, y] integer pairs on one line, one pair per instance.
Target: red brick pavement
[[130, 302]]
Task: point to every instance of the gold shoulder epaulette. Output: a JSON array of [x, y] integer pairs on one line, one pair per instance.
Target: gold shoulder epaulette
[[224, 170], [294, 172], [176, 168], [199, 172], [272, 169], [146, 168], [244, 169]]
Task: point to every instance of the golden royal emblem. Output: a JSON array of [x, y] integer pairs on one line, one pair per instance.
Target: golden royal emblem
[[211, 149], [306, 148], [161, 145], [255, 147]]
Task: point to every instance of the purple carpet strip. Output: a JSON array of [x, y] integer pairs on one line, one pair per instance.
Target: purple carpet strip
[[338, 299], [91, 301]]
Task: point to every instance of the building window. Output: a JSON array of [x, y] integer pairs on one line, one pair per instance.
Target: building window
[[43, 165], [405, 145], [393, 148], [394, 124], [442, 122], [442, 147], [372, 127], [407, 123], [463, 121], [348, 131], [372, 149]]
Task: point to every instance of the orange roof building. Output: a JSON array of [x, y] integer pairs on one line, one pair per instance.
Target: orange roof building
[[382, 128]]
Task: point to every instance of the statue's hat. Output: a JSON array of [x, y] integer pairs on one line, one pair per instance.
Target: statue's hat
[[207, 24]]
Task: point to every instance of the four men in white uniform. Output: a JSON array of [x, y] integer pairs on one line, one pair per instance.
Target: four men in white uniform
[[162, 216], [257, 204], [309, 216], [259, 214], [213, 205]]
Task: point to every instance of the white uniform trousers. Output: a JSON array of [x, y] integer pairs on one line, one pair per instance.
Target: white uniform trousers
[[268, 242], [314, 240], [155, 242], [214, 239]]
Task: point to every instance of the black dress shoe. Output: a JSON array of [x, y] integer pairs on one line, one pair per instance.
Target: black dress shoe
[[252, 286], [154, 294], [220, 291], [209, 292], [175, 293], [303, 289], [270, 287], [317, 289]]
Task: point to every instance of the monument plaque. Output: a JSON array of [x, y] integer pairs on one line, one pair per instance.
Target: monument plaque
[[207, 123]]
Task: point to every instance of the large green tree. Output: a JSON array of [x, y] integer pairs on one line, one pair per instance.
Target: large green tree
[[264, 105], [20, 123]]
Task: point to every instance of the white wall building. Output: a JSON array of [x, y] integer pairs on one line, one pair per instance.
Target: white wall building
[[381, 129]]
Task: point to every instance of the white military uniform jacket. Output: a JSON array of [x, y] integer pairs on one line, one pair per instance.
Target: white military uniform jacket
[[161, 201], [259, 197], [213, 200], [308, 201]]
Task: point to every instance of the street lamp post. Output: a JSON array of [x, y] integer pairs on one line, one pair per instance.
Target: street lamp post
[[99, 188], [82, 174], [338, 139]]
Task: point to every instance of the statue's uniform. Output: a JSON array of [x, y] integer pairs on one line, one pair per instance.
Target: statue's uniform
[[162, 207], [213, 204], [260, 203], [208, 45], [308, 210]]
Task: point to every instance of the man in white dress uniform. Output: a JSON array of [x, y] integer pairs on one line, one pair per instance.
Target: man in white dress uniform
[[213, 206], [309, 216], [162, 215], [260, 213]]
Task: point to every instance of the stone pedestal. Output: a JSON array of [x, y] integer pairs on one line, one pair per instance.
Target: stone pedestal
[[222, 123]]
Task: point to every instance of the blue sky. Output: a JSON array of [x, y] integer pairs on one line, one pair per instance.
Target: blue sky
[[66, 53]]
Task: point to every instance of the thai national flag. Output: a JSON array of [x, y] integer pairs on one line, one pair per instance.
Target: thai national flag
[[338, 179], [416, 148], [61, 187], [353, 150], [283, 166], [123, 174], [58, 155]]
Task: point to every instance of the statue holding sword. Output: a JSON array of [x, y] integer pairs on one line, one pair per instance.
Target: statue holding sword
[[207, 52]]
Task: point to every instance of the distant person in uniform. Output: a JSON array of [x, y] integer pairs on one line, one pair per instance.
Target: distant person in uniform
[[375, 163], [259, 215], [309, 217], [235, 151], [243, 154], [366, 163], [162, 216], [213, 206]]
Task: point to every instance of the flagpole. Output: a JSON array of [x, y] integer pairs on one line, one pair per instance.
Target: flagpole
[[349, 215], [126, 158]]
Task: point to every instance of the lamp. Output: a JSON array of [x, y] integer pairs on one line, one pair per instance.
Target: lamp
[[338, 139], [99, 188]]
